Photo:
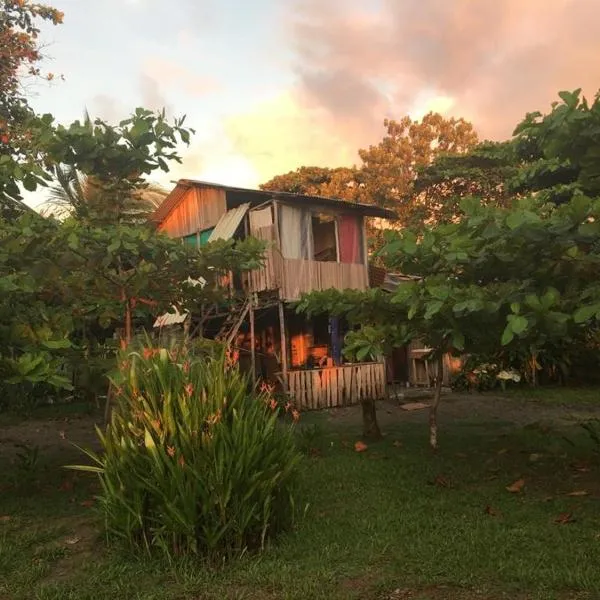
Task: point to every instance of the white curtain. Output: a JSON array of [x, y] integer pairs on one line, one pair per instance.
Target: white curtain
[[260, 218], [294, 231]]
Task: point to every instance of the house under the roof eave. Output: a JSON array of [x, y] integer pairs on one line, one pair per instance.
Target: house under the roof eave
[[313, 243]]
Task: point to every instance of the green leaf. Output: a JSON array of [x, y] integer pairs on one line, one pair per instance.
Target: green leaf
[[458, 340], [507, 336], [362, 353], [57, 344], [585, 313], [517, 323]]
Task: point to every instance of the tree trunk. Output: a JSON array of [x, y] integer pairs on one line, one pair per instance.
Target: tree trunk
[[128, 323], [433, 427], [369, 414]]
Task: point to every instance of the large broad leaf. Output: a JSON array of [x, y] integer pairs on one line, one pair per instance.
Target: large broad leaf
[[433, 308], [363, 353], [458, 340], [585, 313], [518, 323], [507, 336], [57, 344]]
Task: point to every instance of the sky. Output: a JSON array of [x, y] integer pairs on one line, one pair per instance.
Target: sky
[[271, 85]]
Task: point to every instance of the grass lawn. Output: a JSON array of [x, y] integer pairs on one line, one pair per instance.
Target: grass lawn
[[392, 522]]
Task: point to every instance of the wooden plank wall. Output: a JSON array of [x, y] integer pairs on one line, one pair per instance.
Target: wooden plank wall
[[200, 208], [313, 389], [300, 276], [268, 277], [422, 371]]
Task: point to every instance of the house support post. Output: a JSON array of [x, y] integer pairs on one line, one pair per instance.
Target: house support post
[[252, 342], [284, 365]]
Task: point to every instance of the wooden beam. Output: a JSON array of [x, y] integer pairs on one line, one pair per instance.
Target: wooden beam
[[284, 365]]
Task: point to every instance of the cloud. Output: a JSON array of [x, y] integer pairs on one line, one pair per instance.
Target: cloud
[[492, 61], [281, 133], [178, 78]]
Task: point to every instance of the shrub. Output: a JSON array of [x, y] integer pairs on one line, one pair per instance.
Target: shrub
[[194, 460]]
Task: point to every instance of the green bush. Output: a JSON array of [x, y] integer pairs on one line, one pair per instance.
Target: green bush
[[194, 460]]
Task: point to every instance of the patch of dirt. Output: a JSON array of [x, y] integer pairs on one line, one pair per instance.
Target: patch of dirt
[[443, 592], [52, 436], [471, 407]]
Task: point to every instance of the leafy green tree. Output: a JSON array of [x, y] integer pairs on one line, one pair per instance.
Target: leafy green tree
[[560, 151], [21, 132], [341, 182], [484, 172]]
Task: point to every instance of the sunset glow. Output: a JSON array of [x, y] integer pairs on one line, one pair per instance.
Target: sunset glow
[[270, 86]]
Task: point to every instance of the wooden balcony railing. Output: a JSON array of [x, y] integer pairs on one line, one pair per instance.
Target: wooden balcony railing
[[337, 386]]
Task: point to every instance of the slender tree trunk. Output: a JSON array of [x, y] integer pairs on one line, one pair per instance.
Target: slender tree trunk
[[433, 427], [534, 369], [128, 322], [371, 429]]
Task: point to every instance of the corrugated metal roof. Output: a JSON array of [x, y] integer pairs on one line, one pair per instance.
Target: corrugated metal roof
[[170, 202], [174, 318], [228, 223], [259, 196]]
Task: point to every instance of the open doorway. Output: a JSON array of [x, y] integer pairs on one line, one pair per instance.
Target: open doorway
[[324, 235]]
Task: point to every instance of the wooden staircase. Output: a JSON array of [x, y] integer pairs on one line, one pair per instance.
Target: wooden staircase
[[232, 323]]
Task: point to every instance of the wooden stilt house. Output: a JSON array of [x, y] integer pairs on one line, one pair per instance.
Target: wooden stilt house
[[313, 243]]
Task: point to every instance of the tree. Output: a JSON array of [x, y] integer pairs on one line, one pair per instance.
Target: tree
[[389, 168], [21, 156], [484, 172], [86, 197], [500, 280], [560, 151], [341, 182]]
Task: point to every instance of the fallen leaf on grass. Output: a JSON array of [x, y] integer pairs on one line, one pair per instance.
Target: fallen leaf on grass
[[66, 486], [397, 444], [441, 481], [5, 519], [578, 493], [360, 446], [581, 468], [414, 406], [62, 435], [461, 455], [516, 487], [534, 457], [564, 518], [502, 451], [491, 511], [72, 540], [87, 503]]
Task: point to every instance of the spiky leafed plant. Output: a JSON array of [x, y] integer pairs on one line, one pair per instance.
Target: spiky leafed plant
[[194, 461]]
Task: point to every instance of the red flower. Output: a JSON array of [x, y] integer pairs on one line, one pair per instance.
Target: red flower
[[189, 389], [171, 451], [148, 353], [295, 415]]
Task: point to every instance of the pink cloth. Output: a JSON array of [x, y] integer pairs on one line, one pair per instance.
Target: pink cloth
[[350, 239]]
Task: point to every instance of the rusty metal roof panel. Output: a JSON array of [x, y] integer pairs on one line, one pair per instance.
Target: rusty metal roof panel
[[259, 196], [229, 223], [174, 318]]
